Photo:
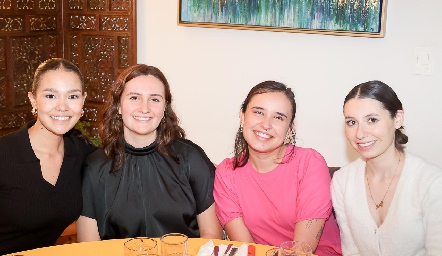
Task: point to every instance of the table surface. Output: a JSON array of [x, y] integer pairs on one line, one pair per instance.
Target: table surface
[[115, 248]]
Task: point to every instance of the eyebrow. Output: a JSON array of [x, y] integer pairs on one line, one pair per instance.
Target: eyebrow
[[153, 94], [279, 113], [55, 90], [369, 115]]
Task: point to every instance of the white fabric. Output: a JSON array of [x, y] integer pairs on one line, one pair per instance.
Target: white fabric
[[413, 225], [207, 249]]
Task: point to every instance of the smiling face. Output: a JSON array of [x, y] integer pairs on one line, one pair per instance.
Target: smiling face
[[59, 101], [142, 108], [266, 121], [369, 127]]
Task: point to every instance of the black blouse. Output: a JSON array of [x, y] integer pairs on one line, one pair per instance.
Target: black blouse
[[151, 195]]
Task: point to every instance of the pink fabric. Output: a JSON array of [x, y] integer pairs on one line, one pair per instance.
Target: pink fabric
[[272, 203]]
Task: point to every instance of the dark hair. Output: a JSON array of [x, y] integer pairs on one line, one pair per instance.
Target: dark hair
[[241, 146], [383, 93], [55, 64], [112, 132]]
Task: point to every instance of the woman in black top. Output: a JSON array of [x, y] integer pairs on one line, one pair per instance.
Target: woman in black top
[[149, 180], [40, 164]]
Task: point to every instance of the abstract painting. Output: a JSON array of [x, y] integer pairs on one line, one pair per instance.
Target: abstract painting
[[333, 17]]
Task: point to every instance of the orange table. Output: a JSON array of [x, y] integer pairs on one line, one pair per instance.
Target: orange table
[[115, 248]]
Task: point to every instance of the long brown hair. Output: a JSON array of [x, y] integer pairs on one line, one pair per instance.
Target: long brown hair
[[112, 131], [241, 146]]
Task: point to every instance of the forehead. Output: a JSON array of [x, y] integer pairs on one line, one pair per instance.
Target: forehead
[[145, 84], [358, 106], [59, 80], [276, 101]]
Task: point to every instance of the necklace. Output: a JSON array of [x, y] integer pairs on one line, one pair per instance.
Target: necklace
[[388, 188]]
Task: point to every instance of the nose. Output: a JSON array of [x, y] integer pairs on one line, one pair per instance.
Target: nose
[[266, 123], [361, 132], [62, 106], [144, 107]]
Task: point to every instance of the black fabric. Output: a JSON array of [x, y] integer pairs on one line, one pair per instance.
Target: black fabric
[[151, 195], [33, 212]]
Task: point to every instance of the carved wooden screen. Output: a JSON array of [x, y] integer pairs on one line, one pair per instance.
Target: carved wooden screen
[[97, 35], [28, 36], [100, 38]]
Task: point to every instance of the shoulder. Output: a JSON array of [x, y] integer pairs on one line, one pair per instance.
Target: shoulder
[[420, 170], [306, 153], [186, 148], [96, 161], [349, 171], [12, 141], [226, 167]]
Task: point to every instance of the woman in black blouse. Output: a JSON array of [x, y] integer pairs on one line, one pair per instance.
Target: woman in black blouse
[[40, 164], [148, 180]]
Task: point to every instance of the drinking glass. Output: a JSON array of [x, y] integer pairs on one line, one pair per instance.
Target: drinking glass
[[294, 248], [272, 252], [140, 246], [173, 243]]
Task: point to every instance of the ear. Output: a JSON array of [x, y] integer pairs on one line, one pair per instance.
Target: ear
[[399, 119], [84, 97], [32, 99], [241, 118]]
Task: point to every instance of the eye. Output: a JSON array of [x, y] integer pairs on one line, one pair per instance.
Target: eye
[[133, 97], [50, 96], [372, 120], [350, 122], [258, 112], [279, 118], [156, 99], [73, 97]]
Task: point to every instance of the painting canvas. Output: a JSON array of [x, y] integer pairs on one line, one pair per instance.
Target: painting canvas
[[336, 17]]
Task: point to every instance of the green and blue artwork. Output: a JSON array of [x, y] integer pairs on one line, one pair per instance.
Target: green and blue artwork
[[333, 15]]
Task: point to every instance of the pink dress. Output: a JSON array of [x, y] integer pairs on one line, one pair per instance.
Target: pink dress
[[272, 203]]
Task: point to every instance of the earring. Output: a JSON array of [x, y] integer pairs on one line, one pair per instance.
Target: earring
[[82, 113], [34, 111], [290, 136], [240, 129]]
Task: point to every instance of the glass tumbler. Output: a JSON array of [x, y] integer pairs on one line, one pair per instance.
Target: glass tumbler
[[140, 246], [173, 244]]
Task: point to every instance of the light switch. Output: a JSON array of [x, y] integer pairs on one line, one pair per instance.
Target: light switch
[[423, 61]]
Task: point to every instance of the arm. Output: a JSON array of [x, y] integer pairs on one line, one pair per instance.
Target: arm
[[209, 225], [348, 245], [87, 230], [236, 230], [309, 231], [432, 212]]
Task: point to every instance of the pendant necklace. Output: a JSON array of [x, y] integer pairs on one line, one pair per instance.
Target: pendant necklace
[[388, 188]]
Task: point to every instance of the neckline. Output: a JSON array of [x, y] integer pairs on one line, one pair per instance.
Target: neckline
[[284, 160], [140, 151]]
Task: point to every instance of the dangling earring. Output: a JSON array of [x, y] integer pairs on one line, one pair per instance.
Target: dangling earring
[[290, 136], [82, 113], [34, 111], [163, 120], [240, 129]]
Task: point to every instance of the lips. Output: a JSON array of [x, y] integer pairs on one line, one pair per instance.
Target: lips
[[142, 118], [61, 118], [366, 144], [262, 135]]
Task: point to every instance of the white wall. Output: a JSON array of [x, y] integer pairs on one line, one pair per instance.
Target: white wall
[[211, 71]]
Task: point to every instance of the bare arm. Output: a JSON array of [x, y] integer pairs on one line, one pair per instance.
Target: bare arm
[[209, 225], [237, 230], [87, 230], [309, 231]]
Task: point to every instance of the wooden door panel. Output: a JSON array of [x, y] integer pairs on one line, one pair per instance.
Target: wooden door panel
[[97, 35]]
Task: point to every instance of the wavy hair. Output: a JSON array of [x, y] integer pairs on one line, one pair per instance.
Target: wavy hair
[[112, 131], [383, 93], [241, 150]]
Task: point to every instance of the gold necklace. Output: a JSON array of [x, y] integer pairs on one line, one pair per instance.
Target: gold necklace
[[388, 188]]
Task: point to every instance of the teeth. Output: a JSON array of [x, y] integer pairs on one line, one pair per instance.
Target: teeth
[[262, 135], [142, 118], [60, 118], [366, 144]]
